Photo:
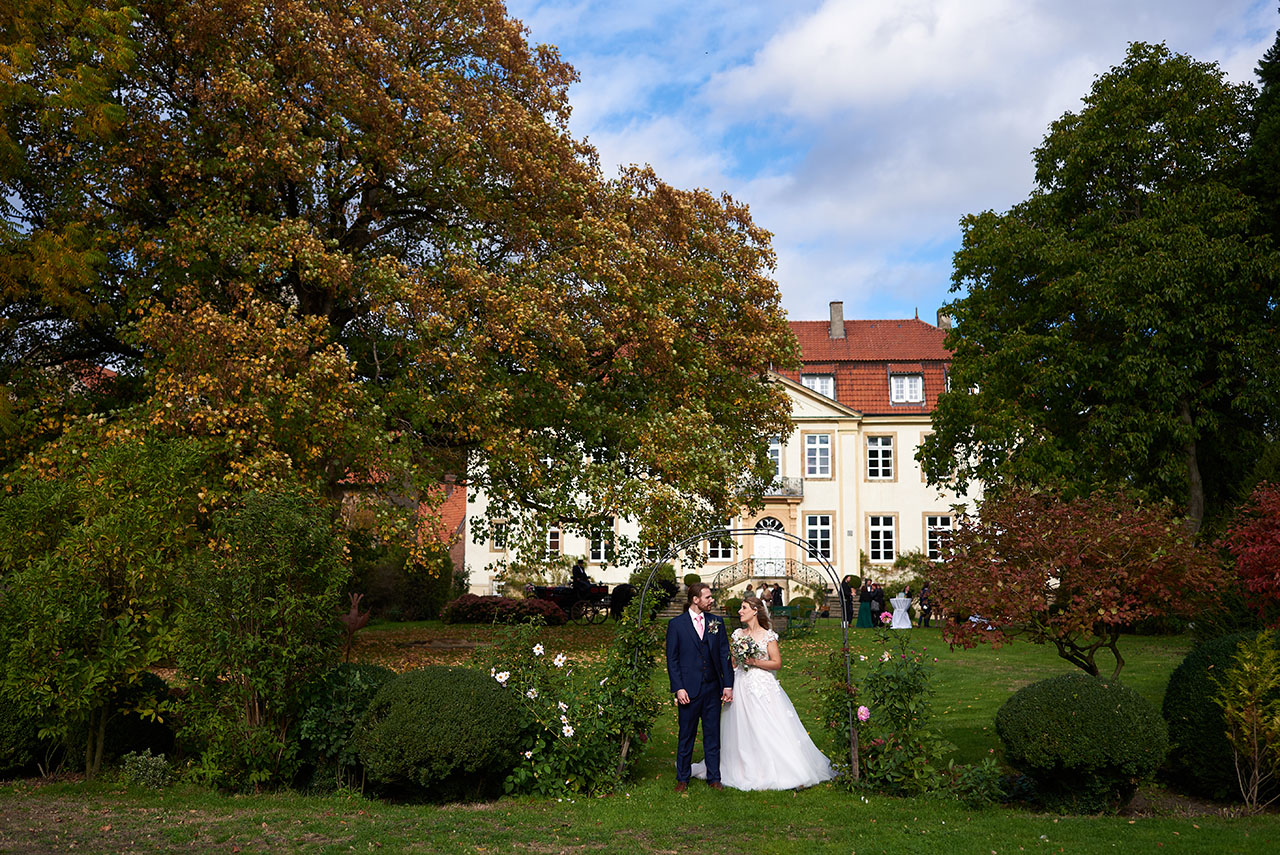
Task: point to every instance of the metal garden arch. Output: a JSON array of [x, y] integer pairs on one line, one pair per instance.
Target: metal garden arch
[[804, 545]]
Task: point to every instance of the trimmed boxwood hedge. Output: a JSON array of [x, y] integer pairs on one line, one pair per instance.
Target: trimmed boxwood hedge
[[441, 734], [1086, 742]]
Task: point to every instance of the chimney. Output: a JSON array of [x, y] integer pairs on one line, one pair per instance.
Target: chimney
[[944, 320], [837, 319]]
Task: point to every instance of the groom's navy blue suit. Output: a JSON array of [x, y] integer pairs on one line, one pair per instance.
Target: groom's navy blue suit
[[701, 667]]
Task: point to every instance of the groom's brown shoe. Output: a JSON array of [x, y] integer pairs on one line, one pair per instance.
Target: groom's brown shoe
[[681, 786], [716, 785]]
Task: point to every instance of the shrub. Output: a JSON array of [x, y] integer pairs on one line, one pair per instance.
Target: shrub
[[139, 723], [470, 608], [257, 625], [802, 603], [664, 584], [1249, 695], [335, 704], [900, 743], [731, 607], [440, 733], [1086, 742], [1200, 757], [395, 586], [146, 770], [20, 746], [582, 730], [691, 579]]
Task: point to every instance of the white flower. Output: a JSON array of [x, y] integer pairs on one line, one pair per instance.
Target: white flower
[[560, 660], [567, 730], [861, 658], [537, 650], [493, 671], [563, 706], [532, 694], [528, 755], [564, 719], [502, 677], [885, 657]]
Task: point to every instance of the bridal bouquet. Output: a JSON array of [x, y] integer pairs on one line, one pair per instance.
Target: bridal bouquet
[[745, 648]]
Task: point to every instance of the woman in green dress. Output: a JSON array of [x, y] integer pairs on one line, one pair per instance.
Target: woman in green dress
[[864, 606]]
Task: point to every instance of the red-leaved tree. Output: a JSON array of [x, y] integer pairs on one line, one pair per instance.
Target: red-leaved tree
[[1254, 541], [1071, 573]]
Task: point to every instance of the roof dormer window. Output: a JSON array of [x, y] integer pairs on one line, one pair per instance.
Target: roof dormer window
[[823, 384], [906, 388]]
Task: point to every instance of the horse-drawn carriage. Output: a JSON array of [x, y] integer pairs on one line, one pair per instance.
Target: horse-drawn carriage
[[587, 604]]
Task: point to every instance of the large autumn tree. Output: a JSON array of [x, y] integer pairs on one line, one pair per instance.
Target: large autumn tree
[[322, 249], [357, 246], [1118, 327]]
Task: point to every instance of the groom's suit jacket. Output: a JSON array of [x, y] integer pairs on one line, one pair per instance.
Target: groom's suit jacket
[[698, 664]]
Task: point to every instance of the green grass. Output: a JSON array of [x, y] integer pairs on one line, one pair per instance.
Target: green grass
[[645, 816]]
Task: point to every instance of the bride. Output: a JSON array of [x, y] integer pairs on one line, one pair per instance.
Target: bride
[[763, 744]]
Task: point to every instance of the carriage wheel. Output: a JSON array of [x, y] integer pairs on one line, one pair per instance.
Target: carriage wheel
[[598, 613], [580, 612]]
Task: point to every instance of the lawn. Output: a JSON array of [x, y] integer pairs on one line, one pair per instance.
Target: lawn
[[645, 816]]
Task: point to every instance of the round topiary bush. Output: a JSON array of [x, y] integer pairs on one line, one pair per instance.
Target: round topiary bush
[[1200, 757], [691, 579], [442, 734], [334, 707], [802, 603], [1086, 742]]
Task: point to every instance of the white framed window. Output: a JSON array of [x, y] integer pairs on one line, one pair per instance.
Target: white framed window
[[906, 388], [937, 530], [817, 455], [553, 543], [823, 384], [498, 537], [817, 531], [880, 457], [652, 553], [602, 542], [883, 539], [775, 455], [720, 548]]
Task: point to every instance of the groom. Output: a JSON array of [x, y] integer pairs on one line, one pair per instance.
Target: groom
[[702, 678]]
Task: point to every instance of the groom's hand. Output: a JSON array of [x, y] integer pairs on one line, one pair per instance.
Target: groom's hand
[[727, 695], [682, 697]]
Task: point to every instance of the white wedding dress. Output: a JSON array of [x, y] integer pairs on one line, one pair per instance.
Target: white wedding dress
[[763, 743]]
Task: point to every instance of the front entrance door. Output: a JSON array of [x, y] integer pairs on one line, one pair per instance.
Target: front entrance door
[[769, 553]]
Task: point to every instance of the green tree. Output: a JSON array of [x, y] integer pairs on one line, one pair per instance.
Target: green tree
[[87, 574], [1119, 325]]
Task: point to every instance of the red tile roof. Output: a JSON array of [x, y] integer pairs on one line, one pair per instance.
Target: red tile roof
[[877, 340], [869, 353]]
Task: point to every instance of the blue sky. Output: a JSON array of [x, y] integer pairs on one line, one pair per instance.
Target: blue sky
[[860, 131]]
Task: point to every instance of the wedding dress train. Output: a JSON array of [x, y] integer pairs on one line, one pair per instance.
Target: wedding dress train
[[763, 743]]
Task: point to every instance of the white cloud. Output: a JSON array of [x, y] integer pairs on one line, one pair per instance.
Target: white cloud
[[860, 131]]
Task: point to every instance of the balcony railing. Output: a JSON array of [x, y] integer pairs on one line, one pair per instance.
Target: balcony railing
[[767, 569], [785, 487]]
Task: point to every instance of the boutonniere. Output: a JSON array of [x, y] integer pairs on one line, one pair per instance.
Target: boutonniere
[[713, 626]]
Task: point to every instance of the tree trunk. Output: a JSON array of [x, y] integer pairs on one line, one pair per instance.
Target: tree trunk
[[1195, 485]]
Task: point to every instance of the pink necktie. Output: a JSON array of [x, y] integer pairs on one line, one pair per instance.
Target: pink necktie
[[697, 622]]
